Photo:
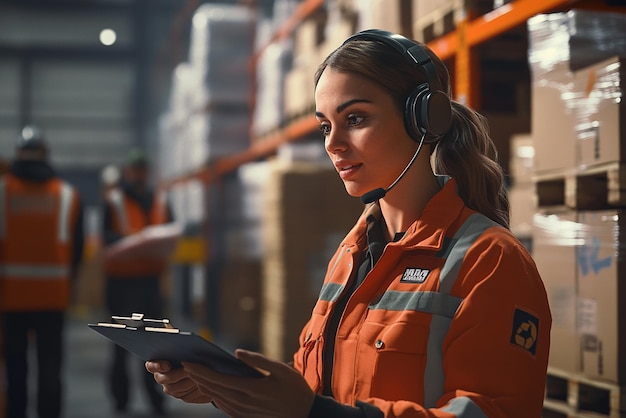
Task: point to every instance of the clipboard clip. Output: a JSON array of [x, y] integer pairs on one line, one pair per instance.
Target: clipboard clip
[[139, 321]]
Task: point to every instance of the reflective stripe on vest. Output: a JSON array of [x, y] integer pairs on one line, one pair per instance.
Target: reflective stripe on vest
[[455, 252], [3, 215], [117, 201], [28, 271], [65, 207], [331, 291], [434, 303]]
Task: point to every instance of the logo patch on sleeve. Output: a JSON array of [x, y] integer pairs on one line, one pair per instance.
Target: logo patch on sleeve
[[525, 331], [414, 275]]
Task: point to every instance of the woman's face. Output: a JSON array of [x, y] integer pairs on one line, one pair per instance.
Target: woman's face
[[363, 131]]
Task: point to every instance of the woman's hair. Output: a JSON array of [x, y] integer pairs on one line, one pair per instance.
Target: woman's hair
[[465, 153]]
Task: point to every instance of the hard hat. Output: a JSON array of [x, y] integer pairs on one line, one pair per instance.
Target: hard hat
[[31, 137]]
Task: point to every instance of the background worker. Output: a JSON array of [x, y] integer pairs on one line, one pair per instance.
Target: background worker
[[133, 285], [41, 246]]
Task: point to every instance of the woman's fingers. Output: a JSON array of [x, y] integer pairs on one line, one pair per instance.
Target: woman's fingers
[[171, 377], [161, 366]]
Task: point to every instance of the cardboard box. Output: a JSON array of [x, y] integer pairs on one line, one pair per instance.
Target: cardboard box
[[436, 9], [307, 36], [240, 302], [424, 8], [553, 121], [554, 251], [390, 15], [444, 14], [523, 207], [599, 113], [306, 214], [602, 292], [522, 155], [299, 91], [337, 31]]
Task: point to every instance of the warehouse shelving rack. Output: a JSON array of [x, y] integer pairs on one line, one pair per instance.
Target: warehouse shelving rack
[[460, 45]]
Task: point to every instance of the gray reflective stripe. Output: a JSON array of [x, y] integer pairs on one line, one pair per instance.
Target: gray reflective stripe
[[471, 229], [67, 194], [463, 239], [117, 200], [330, 292], [3, 215], [433, 372], [464, 407], [34, 272], [430, 302]]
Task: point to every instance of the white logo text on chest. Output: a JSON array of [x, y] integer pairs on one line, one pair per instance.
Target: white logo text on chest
[[414, 275]]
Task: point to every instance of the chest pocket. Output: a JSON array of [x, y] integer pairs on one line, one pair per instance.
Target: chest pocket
[[391, 360]]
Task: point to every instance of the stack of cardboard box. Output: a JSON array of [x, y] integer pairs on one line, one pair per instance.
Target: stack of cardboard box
[[432, 19], [306, 215], [578, 229], [313, 40]]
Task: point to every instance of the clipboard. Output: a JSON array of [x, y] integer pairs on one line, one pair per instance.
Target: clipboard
[[157, 339]]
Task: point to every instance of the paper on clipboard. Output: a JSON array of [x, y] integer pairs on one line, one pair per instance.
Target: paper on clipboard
[[151, 339]]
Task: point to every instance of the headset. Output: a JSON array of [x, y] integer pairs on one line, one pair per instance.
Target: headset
[[427, 111]]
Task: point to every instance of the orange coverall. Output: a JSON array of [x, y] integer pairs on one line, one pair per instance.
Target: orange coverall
[[452, 321]]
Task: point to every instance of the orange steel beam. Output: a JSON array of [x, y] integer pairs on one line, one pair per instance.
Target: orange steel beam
[[268, 144], [445, 46], [259, 149], [469, 33], [302, 12], [492, 24], [507, 17]]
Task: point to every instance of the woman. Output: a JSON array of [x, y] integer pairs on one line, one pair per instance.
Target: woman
[[430, 306]]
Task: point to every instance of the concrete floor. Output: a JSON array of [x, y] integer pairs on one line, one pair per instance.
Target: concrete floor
[[87, 357]]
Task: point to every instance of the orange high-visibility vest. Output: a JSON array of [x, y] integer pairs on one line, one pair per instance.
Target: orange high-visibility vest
[[129, 218], [37, 221]]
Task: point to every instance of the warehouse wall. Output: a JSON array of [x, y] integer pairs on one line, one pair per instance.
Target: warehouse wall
[[93, 101]]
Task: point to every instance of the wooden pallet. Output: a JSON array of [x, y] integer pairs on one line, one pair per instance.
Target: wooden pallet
[[570, 395], [591, 188]]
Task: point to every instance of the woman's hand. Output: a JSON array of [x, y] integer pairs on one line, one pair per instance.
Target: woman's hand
[[176, 382], [282, 393]]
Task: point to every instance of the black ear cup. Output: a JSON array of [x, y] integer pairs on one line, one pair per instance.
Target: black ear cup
[[439, 115], [413, 108], [427, 113]]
